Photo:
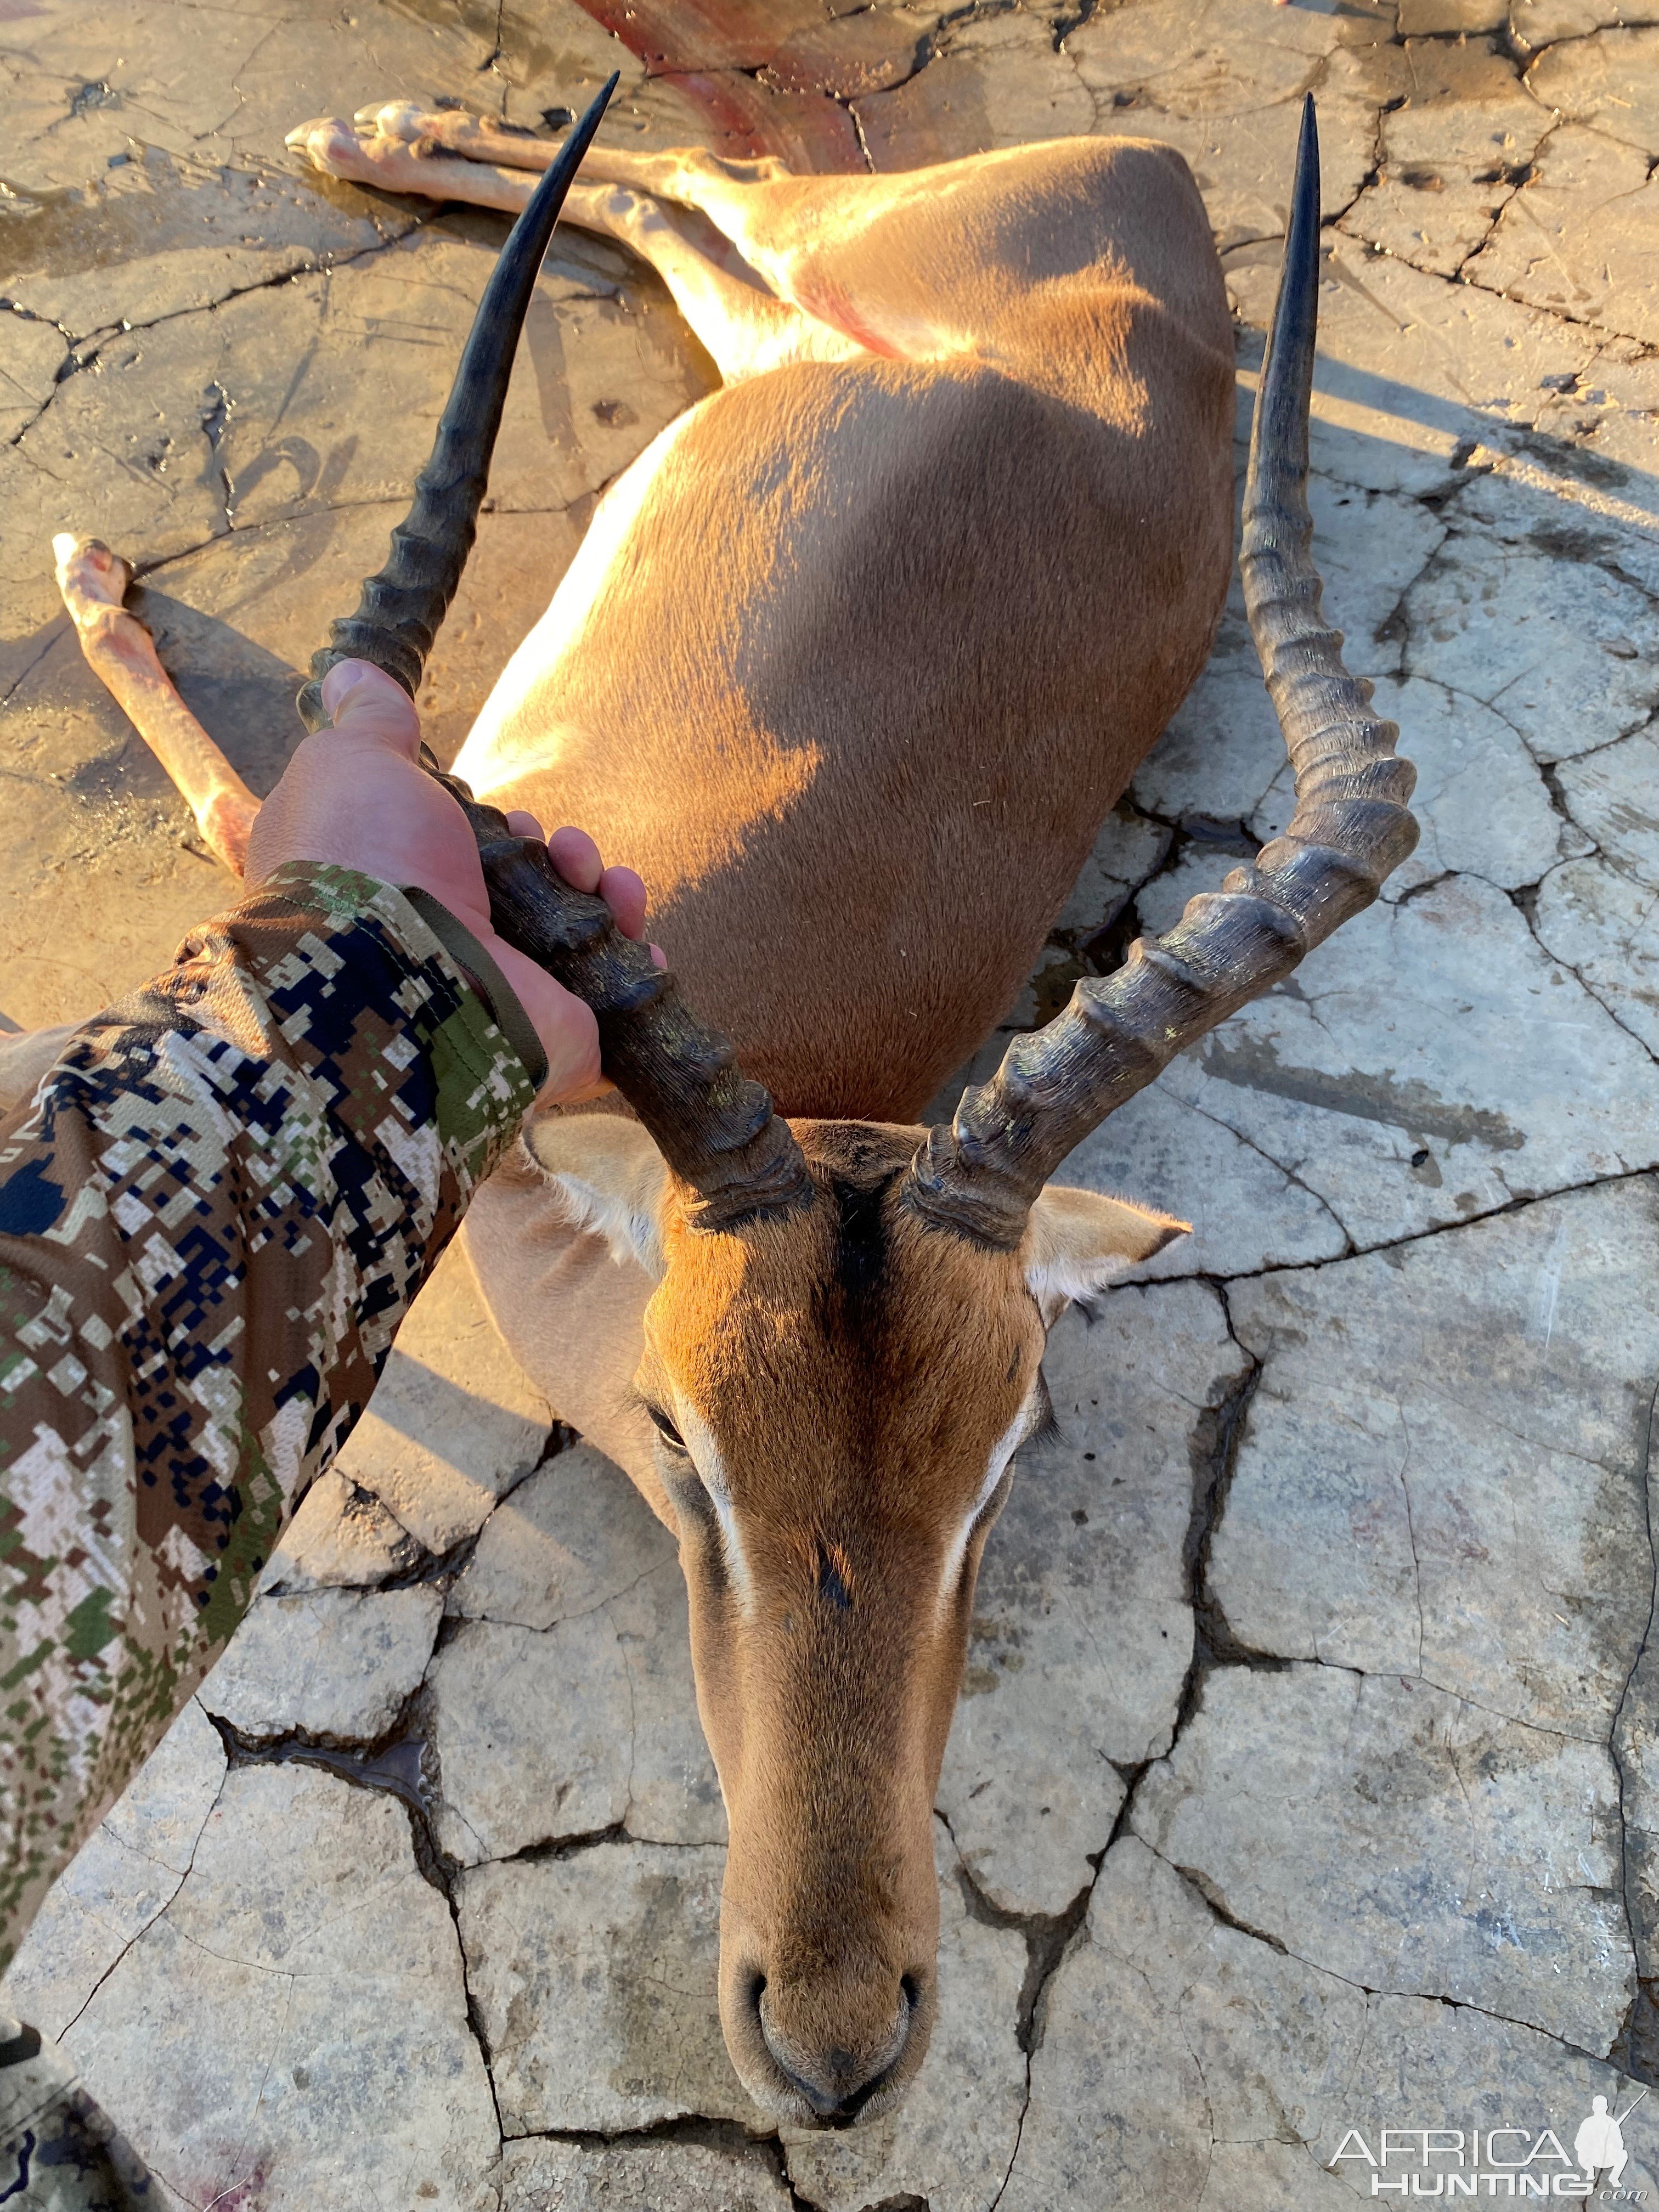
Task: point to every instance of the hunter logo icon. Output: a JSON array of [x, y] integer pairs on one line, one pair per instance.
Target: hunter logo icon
[[1599, 2145], [1510, 2161]]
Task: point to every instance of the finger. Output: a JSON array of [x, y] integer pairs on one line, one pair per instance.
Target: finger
[[365, 702], [525, 825], [576, 857], [624, 893]]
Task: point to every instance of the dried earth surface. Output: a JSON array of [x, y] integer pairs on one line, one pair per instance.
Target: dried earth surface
[[1305, 1783]]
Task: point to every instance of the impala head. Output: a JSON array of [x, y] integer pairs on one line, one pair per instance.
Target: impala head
[[843, 1347], [838, 1388]]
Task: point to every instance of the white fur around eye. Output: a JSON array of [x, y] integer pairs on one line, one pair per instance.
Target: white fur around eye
[[705, 1455], [996, 1467]]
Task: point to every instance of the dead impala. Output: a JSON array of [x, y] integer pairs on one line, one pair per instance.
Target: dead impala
[[851, 665]]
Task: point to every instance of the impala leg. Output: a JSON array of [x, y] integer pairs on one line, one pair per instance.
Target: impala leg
[[121, 653], [745, 327], [922, 264], [450, 131], [393, 164], [743, 323], [480, 140]]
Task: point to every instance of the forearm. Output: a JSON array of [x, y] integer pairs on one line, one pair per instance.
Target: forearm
[[214, 1212]]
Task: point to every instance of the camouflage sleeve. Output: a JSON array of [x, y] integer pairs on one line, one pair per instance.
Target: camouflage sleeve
[[214, 1212]]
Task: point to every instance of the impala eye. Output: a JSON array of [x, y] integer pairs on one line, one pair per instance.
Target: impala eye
[[666, 1429]]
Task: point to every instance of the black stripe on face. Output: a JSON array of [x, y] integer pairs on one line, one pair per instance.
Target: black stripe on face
[[832, 1588], [861, 1241]]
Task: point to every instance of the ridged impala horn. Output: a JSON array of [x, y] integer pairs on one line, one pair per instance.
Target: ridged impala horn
[[716, 1130]]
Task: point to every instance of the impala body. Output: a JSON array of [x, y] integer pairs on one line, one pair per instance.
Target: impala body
[[852, 663]]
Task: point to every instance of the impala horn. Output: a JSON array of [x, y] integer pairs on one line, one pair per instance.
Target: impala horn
[[1350, 828], [716, 1130]]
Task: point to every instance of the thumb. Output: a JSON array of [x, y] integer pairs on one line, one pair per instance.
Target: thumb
[[366, 702]]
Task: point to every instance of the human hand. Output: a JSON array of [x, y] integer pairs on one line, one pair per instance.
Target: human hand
[[355, 795]]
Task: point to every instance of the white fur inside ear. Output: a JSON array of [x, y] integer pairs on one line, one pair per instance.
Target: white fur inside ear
[[612, 1181], [1077, 1240]]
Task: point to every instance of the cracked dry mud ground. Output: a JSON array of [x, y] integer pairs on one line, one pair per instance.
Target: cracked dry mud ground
[[1306, 1776]]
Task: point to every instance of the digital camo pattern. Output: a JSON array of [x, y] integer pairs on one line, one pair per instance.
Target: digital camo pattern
[[214, 1213]]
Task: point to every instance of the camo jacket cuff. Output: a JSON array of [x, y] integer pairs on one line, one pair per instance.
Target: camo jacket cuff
[[214, 1212]]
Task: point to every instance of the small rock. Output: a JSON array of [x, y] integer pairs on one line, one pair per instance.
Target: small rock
[[333, 1665]]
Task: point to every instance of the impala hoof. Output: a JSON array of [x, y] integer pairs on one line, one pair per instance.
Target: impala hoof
[[90, 575], [394, 118]]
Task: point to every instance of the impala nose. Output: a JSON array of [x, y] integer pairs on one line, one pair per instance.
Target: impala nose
[[839, 2048]]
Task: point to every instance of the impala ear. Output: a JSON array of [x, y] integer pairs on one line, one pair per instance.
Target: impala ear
[[613, 1179], [1077, 1240]]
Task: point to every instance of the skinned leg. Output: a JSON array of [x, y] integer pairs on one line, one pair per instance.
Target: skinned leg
[[121, 653]]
